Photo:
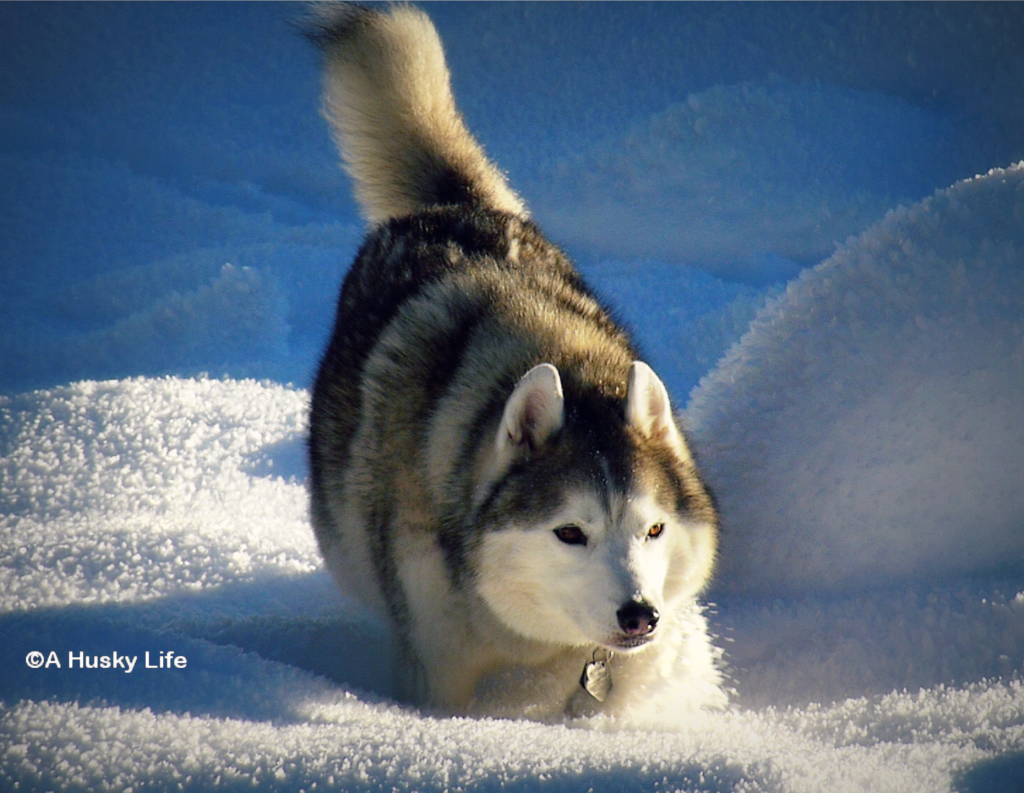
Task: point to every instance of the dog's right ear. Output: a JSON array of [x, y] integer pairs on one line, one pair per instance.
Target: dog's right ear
[[532, 413], [648, 409]]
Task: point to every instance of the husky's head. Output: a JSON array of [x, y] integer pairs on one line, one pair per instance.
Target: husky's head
[[593, 522]]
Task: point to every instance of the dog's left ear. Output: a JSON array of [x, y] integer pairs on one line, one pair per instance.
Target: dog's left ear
[[648, 409]]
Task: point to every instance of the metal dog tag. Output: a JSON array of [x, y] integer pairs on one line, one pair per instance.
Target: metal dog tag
[[597, 677]]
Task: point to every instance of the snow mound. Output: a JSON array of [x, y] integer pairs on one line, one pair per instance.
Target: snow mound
[[869, 428], [133, 276], [87, 470], [740, 171]]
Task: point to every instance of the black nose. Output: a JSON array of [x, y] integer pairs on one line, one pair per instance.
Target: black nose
[[637, 618]]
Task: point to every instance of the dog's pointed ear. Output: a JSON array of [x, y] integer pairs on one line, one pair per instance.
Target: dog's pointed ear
[[532, 412], [648, 408]]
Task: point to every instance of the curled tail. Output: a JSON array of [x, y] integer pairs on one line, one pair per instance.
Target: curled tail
[[388, 98]]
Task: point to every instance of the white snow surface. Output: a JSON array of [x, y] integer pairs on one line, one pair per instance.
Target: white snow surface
[[154, 515]]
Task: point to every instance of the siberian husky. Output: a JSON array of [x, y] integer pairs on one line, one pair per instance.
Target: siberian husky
[[492, 468]]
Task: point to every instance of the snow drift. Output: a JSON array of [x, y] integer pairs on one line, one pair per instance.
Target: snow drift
[[802, 164], [869, 427]]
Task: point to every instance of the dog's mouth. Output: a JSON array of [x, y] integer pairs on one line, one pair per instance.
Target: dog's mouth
[[622, 643]]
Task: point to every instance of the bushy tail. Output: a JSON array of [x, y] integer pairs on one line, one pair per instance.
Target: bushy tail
[[387, 95]]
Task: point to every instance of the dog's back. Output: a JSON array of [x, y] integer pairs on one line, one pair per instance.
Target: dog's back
[[472, 386]]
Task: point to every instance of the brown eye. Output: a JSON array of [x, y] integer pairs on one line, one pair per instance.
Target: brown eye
[[655, 531], [571, 535]]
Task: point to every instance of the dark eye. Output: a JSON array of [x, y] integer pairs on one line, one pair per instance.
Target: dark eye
[[655, 531], [571, 535]]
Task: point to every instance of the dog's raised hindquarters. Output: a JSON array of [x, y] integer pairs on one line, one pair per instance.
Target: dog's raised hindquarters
[[492, 467]]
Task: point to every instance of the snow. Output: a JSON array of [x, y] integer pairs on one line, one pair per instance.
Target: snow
[[871, 417], [677, 180], [776, 198]]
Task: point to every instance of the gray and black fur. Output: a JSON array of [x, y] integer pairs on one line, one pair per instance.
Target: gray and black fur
[[454, 296]]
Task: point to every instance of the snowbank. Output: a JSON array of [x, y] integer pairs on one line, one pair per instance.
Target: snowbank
[[869, 428]]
